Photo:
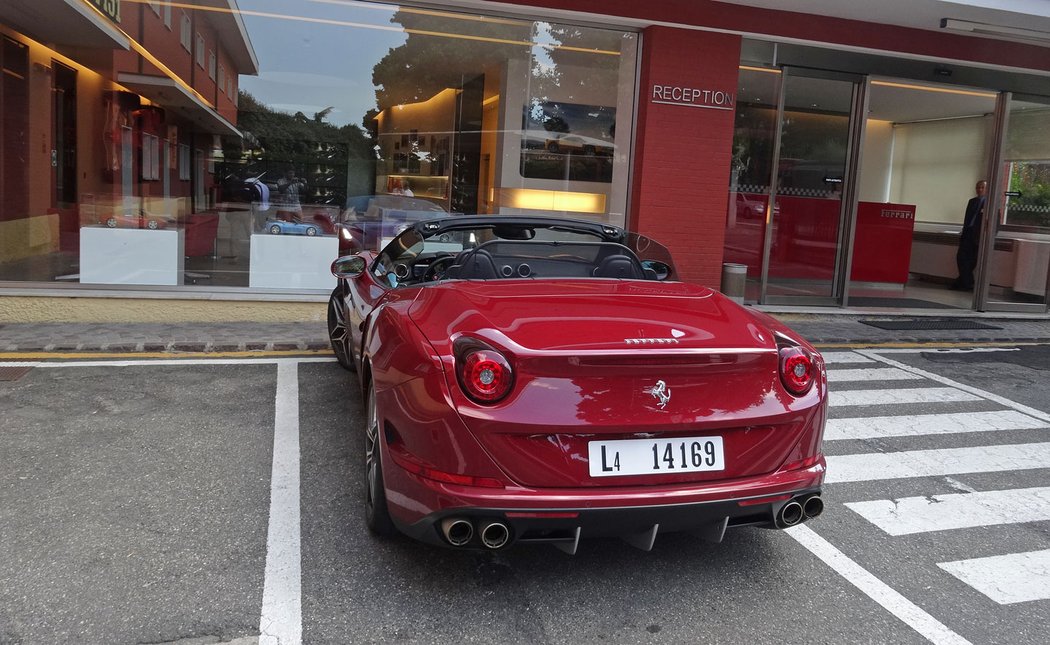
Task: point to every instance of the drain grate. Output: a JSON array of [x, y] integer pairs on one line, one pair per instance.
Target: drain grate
[[13, 373], [927, 324]]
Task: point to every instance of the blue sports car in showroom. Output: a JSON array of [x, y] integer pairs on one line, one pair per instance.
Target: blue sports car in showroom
[[281, 227]]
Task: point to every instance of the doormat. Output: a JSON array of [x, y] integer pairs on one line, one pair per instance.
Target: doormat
[[926, 324], [900, 303], [13, 373]]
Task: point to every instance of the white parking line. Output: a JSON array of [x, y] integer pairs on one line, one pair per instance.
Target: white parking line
[[871, 374], [947, 461], [891, 600], [1006, 579], [926, 424], [956, 511], [899, 396], [281, 621]]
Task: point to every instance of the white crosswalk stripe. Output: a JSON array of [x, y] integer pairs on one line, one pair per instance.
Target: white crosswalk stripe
[[946, 461], [899, 396], [928, 424], [1006, 579], [844, 357], [956, 511], [871, 374], [947, 418]]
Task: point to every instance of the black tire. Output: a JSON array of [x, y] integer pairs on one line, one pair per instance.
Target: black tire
[[311, 231], [111, 222], [377, 514], [275, 230], [338, 331], [554, 147], [152, 224]]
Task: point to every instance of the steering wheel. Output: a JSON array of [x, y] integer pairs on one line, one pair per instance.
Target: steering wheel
[[438, 266]]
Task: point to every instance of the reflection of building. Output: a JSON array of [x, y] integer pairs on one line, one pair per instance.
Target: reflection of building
[[771, 134], [112, 111]]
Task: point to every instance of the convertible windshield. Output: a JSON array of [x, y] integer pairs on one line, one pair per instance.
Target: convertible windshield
[[495, 249]]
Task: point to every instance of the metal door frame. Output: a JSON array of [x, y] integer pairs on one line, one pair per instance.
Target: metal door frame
[[848, 205], [995, 202]]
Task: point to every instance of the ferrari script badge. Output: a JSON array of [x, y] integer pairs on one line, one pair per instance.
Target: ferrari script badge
[[661, 393]]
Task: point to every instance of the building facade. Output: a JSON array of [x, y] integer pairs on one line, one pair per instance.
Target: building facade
[[207, 159]]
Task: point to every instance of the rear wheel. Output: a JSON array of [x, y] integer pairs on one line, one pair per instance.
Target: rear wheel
[[311, 231], [377, 515], [338, 331]]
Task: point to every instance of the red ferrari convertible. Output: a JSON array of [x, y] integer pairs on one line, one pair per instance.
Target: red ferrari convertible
[[534, 380]]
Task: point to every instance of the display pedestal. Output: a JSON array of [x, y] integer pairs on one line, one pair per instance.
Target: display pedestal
[[131, 256], [292, 261]]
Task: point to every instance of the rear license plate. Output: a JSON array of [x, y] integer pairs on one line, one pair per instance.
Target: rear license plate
[[655, 456]]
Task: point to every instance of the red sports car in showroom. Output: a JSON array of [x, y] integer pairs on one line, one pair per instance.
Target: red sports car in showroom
[[536, 380]]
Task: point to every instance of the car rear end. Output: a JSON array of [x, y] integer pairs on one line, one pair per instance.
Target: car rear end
[[598, 408]]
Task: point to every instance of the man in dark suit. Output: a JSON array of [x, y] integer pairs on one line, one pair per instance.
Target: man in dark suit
[[970, 239]]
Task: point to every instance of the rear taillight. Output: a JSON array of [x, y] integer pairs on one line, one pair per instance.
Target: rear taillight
[[484, 374], [796, 369]]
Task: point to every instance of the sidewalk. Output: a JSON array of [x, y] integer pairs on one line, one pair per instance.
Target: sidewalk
[[819, 328]]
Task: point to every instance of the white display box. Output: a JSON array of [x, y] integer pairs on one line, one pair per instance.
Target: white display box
[[292, 261], [131, 256]]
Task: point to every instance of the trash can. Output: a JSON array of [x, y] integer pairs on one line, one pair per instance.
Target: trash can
[[734, 278]]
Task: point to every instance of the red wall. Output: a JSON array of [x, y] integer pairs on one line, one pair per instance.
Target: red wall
[[682, 153]]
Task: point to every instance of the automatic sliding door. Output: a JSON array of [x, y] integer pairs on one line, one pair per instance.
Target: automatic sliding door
[[805, 235], [1015, 269]]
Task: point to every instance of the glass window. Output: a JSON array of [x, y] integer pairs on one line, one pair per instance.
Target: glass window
[[186, 31], [343, 113], [1027, 158]]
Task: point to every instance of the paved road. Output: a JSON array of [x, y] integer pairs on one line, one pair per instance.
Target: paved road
[[151, 502]]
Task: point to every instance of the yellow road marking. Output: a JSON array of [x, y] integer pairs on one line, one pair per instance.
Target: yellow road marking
[[25, 356]]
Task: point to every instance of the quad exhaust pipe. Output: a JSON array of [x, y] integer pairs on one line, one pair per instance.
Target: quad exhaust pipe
[[495, 535], [813, 506], [799, 510], [457, 531], [790, 514]]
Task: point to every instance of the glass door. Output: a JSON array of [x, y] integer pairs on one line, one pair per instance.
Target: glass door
[[809, 227], [1016, 260]]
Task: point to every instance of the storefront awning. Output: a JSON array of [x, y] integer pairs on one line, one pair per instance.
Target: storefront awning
[[173, 96], [63, 23]]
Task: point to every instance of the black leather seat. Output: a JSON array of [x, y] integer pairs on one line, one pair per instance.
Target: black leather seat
[[619, 266]]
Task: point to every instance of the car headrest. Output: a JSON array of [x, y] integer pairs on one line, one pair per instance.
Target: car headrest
[[477, 265], [619, 266]]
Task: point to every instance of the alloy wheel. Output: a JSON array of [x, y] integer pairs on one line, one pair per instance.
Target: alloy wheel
[[339, 332]]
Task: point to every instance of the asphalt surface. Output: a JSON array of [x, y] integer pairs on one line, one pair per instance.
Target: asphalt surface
[[135, 500]]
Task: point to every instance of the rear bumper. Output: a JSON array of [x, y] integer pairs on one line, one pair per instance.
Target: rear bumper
[[562, 517]]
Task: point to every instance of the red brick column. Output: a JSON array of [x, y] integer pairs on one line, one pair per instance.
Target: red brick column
[[684, 142]]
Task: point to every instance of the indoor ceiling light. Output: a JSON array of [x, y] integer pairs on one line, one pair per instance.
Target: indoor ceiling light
[[1000, 31]]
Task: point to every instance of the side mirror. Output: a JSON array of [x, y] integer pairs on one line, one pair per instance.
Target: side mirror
[[349, 266], [661, 270]]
